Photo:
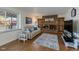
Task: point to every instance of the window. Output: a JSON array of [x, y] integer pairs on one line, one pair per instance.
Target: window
[[2, 21], [11, 21], [8, 21]]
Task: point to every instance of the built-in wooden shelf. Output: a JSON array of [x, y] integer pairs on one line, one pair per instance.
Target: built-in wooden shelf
[[57, 25]]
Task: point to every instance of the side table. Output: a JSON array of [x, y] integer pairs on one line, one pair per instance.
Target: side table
[[23, 37]]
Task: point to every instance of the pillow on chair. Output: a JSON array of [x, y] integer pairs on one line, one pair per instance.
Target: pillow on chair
[[31, 29], [76, 35], [35, 28]]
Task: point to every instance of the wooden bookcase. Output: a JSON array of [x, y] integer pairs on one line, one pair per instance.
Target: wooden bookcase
[[56, 26], [41, 23], [60, 24]]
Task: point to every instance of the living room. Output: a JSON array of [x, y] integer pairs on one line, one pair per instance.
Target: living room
[[38, 28]]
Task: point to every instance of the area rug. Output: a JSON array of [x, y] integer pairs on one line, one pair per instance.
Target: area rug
[[48, 40]]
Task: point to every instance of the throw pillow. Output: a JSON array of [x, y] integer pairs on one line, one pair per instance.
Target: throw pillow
[[31, 29], [35, 28], [76, 35]]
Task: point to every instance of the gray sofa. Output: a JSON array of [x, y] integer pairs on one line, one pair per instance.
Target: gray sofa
[[31, 32]]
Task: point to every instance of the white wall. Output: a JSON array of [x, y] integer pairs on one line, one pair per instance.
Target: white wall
[[75, 19], [6, 37], [68, 14]]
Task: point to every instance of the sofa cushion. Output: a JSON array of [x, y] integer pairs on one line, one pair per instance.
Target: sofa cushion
[[67, 39], [68, 34], [26, 30], [31, 29]]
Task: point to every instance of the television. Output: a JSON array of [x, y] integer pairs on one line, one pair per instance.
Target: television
[[68, 25], [28, 20]]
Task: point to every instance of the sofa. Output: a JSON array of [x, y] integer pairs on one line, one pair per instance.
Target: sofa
[[70, 40], [32, 31]]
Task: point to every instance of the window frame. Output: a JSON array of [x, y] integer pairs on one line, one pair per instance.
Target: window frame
[[17, 21]]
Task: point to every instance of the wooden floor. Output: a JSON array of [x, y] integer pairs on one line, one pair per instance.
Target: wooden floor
[[29, 46]]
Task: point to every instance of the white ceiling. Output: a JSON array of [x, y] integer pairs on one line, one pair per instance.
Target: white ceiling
[[40, 11]]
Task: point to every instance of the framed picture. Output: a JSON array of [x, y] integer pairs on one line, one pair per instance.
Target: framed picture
[[73, 12], [28, 20]]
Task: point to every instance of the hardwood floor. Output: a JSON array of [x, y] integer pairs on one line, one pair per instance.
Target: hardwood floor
[[29, 46]]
